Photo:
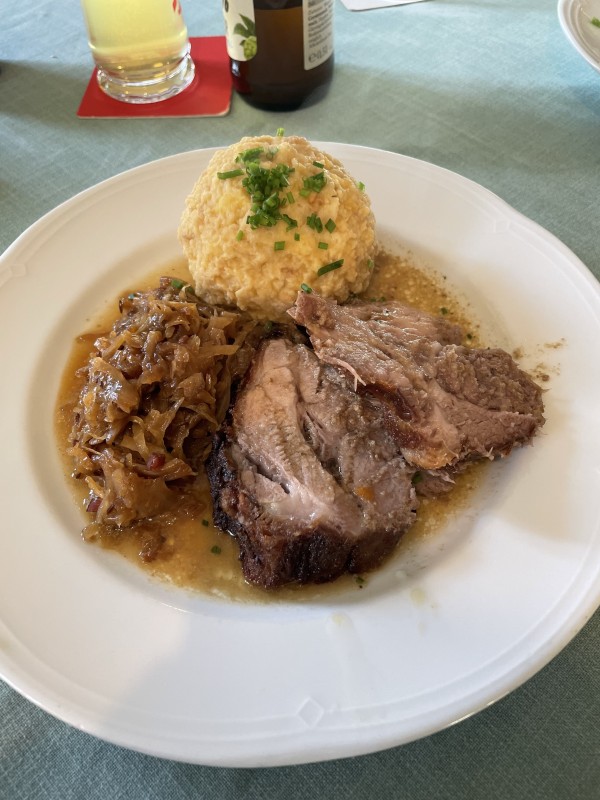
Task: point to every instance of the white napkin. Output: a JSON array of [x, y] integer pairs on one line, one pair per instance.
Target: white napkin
[[364, 5]]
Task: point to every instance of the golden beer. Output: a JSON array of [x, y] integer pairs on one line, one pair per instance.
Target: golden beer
[[141, 48]]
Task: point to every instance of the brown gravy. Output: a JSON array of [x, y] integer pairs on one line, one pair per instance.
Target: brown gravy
[[198, 556]]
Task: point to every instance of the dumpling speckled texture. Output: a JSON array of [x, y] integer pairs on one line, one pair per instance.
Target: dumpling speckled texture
[[245, 270]]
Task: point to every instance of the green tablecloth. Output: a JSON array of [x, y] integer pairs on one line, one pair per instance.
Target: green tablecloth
[[490, 89]]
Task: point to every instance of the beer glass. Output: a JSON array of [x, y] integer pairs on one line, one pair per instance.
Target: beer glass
[[141, 48]]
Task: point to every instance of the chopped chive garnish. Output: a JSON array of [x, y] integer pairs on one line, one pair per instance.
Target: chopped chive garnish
[[330, 225], [595, 21], [361, 186], [280, 131], [416, 478], [279, 246], [315, 223], [268, 326], [240, 236], [315, 183], [304, 192], [290, 198], [360, 581], [249, 155], [289, 221], [177, 284], [263, 186], [318, 164], [330, 267], [370, 263], [232, 173], [305, 288], [297, 237], [215, 549], [443, 310], [206, 523], [323, 246]]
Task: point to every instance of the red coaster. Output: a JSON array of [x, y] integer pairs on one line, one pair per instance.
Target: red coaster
[[209, 94]]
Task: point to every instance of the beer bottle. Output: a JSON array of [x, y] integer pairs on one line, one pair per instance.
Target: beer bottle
[[281, 51]]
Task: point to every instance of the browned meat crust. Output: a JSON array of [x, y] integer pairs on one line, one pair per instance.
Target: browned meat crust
[[305, 476]]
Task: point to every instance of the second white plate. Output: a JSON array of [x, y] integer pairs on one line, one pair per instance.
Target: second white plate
[[575, 18]]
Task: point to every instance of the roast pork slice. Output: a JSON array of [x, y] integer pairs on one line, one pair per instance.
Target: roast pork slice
[[304, 475], [442, 402]]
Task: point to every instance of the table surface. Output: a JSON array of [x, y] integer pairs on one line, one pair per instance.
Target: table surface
[[489, 89]]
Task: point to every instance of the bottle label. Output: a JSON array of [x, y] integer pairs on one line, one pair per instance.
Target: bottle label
[[240, 29], [317, 23], [318, 31]]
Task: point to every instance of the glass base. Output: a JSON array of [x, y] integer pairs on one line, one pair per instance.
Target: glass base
[[150, 90]]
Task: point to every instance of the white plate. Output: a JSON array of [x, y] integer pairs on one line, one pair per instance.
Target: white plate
[[575, 18], [452, 624]]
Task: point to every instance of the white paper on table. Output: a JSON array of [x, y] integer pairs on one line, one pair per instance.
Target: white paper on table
[[365, 5]]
